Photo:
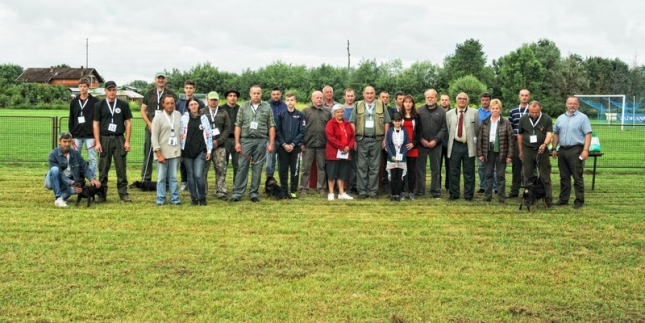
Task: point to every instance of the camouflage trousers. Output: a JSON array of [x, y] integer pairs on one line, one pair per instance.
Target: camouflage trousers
[[218, 158]]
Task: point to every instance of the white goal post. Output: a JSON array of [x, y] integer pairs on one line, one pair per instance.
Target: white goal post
[[622, 118]]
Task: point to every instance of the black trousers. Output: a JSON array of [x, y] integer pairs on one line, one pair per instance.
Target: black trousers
[[410, 179], [570, 165], [396, 181], [288, 166], [516, 169], [446, 165]]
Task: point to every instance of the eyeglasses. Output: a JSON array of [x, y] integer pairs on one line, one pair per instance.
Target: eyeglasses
[[462, 98]]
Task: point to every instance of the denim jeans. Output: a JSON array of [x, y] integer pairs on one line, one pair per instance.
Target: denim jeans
[[91, 151], [271, 160], [167, 171], [195, 172], [57, 181]]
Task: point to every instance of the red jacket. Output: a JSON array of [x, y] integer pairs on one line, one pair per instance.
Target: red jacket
[[339, 136]]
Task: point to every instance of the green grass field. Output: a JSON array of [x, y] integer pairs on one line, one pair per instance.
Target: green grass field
[[311, 260]]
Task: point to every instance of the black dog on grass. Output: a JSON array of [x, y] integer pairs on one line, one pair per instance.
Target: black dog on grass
[[273, 190], [89, 192], [144, 186], [533, 192]]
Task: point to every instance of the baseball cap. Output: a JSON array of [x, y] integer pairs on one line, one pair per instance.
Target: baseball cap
[[110, 84], [213, 95], [160, 74]]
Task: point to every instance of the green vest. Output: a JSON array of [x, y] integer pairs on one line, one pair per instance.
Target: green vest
[[379, 119]]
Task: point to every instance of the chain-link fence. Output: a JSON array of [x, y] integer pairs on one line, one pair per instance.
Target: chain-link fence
[[30, 139]]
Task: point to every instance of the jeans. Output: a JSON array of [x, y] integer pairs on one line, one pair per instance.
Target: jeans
[[61, 185], [195, 171], [167, 172], [91, 151], [271, 161]]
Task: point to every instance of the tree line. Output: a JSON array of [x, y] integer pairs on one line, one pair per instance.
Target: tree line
[[539, 67]]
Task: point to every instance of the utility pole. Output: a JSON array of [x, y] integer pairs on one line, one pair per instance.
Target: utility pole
[[348, 55], [87, 46]]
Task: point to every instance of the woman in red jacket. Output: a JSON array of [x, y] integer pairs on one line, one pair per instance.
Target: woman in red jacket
[[340, 140]]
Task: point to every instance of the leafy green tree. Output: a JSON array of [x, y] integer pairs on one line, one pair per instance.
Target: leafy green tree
[[468, 59], [518, 70], [417, 78], [468, 84], [9, 73]]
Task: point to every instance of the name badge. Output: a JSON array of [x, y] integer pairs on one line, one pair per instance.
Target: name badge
[[369, 124], [254, 125], [81, 119], [112, 127], [533, 139], [172, 141], [399, 157], [215, 132], [341, 155]]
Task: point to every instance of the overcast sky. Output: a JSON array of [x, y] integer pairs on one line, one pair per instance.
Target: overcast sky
[[131, 40]]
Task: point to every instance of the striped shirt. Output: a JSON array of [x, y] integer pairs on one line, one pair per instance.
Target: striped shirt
[[515, 115]]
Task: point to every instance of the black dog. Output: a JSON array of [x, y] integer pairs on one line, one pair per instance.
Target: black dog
[[533, 192], [273, 190], [89, 192], [144, 186]]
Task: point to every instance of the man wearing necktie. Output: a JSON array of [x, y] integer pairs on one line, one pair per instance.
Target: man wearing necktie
[[463, 127]]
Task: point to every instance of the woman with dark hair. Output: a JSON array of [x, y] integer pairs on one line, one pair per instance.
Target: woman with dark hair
[[411, 124], [196, 147]]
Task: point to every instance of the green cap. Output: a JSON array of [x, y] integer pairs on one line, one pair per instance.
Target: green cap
[[213, 95]]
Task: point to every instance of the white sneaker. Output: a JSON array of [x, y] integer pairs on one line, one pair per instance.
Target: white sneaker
[[183, 186], [60, 202], [345, 196], [330, 197]]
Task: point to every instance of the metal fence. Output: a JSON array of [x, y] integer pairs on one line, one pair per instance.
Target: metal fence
[[30, 139]]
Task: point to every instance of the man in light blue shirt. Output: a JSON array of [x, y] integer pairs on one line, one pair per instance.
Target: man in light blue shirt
[[572, 131]]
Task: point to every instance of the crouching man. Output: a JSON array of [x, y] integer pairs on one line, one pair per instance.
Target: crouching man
[[66, 166]]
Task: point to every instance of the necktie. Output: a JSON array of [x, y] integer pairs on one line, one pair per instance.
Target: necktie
[[460, 126]]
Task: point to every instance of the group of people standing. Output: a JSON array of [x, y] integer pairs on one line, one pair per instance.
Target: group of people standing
[[354, 144]]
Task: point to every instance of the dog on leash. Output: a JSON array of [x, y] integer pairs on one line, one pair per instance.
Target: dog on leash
[[534, 191], [89, 192], [144, 186], [273, 190]]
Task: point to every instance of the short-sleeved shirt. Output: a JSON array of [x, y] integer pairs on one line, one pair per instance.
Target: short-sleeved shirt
[[104, 115], [261, 119], [572, 129], [543, 125]]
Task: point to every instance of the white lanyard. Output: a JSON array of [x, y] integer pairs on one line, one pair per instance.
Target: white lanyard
[[536, 122], [213, 114], [159, 95], [83, 104], [112, 109], [525, 111], [171, 123], [370, 109]]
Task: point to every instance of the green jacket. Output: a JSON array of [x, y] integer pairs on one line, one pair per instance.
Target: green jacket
[[263, 117], [381, 117]]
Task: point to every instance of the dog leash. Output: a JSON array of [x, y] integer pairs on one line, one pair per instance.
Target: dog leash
[[251, 160]]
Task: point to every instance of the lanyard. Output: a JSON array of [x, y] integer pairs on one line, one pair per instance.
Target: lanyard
[[112, 109], [83, 104], [159, 95], [213, 114], [171, 123], [525, 111], [536, 122]]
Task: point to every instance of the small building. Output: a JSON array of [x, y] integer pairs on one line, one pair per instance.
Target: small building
[[66, 76], [124, 95]]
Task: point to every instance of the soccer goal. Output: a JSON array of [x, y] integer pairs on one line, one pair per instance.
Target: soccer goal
[[617, 101]]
